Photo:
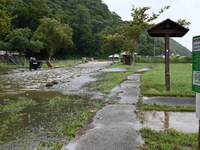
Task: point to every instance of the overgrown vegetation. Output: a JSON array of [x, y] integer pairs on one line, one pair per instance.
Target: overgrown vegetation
[[88, 20], [168, 140], [174, 59]]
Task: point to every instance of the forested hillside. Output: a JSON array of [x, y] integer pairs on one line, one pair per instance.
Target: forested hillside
[[88, 21]]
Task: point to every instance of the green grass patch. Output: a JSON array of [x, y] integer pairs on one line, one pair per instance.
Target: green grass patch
[[153, 81], [44, 66], [60, 101], [20, 104], [168, 140], [12, 66], [166, 107], [108, 81]]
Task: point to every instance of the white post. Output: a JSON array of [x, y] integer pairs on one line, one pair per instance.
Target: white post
[[198, 113]]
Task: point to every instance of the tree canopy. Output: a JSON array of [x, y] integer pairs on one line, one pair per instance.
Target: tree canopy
[[53, 35], [87, 21]]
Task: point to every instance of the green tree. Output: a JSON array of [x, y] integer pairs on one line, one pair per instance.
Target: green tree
[[5, 19], [83, 36], [141, 21], [53, 35], [19, 40], [27, 13], [114, 43]]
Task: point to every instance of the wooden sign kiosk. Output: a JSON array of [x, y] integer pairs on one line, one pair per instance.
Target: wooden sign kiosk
[[167, 29]]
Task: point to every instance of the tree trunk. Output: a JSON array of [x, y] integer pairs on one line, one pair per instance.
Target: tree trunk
[[51, 52], [129, 60]]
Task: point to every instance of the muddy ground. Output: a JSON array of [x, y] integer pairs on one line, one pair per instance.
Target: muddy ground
[[71, 81], [38, 85], [68, 81]]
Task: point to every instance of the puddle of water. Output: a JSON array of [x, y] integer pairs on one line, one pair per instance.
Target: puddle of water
[[35, 124], [181, 121], [142, 70], [114, 70]]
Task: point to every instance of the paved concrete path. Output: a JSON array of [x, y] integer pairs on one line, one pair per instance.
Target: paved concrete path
[[115, 126]]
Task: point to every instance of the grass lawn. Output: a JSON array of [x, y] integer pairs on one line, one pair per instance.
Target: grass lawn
[[153, 82], [166, 107], [168, 140]]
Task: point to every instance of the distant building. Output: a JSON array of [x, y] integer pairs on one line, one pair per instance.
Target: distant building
[[114, 57]]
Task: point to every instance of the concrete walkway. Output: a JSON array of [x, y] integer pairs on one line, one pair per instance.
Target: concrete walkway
[[114, 126]]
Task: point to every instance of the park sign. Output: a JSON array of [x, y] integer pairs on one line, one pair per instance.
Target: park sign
[[196, 64]]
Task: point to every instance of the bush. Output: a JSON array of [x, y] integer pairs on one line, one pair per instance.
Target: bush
[[173, 59]]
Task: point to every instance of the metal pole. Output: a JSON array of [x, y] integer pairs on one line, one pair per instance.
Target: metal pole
[[167, 73]]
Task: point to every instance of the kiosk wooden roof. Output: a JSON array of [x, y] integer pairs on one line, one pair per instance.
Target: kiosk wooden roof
[[167, 27]]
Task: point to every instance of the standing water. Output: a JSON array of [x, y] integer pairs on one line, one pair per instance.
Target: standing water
[[31, 113]]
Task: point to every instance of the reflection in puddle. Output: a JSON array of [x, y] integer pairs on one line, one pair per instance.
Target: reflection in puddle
[[181, 121]]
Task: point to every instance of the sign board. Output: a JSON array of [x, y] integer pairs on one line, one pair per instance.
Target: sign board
[[196, 64]]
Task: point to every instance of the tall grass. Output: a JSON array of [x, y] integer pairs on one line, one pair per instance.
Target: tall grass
[[153, 82]]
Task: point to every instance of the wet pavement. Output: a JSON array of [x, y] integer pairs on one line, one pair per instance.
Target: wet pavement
[[115, 126]]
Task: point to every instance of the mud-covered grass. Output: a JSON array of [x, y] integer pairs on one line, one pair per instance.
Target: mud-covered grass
[[107, 81], [168, 140], [153, 81], [43, 123]]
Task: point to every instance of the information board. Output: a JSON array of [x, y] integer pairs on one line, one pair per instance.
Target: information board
[[196, 64]]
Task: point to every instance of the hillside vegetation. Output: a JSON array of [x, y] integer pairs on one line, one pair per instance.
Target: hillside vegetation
[[89, 21]]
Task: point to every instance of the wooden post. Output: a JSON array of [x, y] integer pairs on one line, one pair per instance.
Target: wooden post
[[167, 72]]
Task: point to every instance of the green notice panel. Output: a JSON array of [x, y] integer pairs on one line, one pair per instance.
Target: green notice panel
[[196, 64]]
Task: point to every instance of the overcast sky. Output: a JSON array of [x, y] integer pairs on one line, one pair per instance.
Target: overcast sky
[[180, 9]]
